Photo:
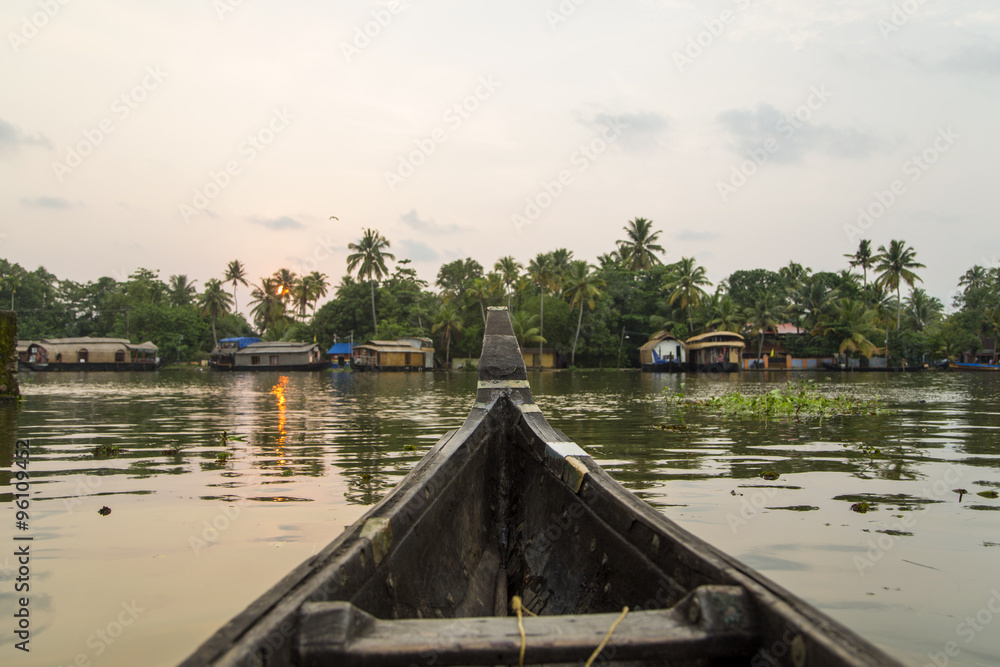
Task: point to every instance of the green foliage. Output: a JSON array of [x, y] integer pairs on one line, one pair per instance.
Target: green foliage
[[796, 400]]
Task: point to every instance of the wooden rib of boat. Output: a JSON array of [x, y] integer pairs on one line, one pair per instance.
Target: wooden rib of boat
[[508, 506]]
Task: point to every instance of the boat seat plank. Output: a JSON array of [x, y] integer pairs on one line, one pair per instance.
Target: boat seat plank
[[711, 622]]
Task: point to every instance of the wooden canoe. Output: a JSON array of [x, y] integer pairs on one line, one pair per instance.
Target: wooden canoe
[[508, 506]]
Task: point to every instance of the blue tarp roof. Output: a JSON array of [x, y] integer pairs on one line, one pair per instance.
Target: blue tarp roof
[[241, 342], [340, 348]]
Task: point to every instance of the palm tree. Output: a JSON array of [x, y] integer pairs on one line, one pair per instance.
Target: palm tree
[[813, 301], [270, 307], [480, 289], [182, 292], [895, 265], [922, 309], [583, 287], [852, 324], [685, 284], [235, 273], [863, 258], [637, 251], [319, 285], [449, 319], [285, 280], [214, 302], [525, 329], [369, 258], [766, 313], [725, 316], [974, 278], [542, 273], [300, 292], [509, 270]]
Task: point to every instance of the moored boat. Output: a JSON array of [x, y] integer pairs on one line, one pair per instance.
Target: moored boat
[[253, 354], [87, 354], [507, 514], [958, 366]]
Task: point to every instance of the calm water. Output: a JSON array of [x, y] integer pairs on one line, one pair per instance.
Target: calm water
[[191, 540]]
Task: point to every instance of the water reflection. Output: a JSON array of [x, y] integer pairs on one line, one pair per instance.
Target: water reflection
[[310, 444]]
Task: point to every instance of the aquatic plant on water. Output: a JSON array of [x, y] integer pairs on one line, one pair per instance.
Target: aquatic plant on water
[[796, 400]]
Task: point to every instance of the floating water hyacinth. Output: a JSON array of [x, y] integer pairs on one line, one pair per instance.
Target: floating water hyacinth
[[796, 400]]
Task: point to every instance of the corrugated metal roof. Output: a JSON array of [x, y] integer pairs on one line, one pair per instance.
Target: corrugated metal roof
[[277, 347]]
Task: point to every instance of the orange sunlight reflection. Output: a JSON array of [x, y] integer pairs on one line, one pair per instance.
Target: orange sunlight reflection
[[278, 391]]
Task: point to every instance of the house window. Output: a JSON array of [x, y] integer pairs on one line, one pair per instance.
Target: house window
[[274, 360], [407, 358], [82, 355], [255, 360], [119, 356]]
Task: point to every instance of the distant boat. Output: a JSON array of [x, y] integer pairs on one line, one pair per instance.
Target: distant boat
[[973, 367], [86, 354], [253, 354]]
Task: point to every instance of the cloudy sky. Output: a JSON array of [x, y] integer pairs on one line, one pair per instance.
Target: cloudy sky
[[178, 136]]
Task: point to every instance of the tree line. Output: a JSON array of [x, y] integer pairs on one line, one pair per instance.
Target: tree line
[[592, 315]]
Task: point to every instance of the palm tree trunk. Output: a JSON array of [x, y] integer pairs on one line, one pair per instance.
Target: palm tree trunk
[[374, 321], [541, 327], [760, 347], [579, 321], [447, 347], [899, 307], [214, 337], [482, 310]]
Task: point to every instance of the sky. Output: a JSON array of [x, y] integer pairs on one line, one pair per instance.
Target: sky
[[180, 136]]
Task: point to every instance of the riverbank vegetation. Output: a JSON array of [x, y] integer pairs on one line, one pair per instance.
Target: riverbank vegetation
[[590, 314]]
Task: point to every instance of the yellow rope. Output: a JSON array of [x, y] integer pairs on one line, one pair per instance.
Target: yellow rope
[[516, 603], [607, 638]]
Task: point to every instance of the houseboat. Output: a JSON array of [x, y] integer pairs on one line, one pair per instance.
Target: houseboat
[[715, 352], [663, 353], [257, 355], [224, 355], [549, 358], [402, 354], [86, 354]]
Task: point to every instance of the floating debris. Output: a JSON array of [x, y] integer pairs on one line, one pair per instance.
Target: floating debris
[[104, 511], [861, 507], [769, 475], [960, 492], [106, 451], [988, 494], [172, 451], [223, 456], [409, 448]]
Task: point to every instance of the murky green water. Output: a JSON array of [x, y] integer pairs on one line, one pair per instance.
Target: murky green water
[[191, 540]]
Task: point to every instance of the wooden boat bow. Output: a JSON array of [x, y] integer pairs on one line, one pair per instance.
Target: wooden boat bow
[[508, 506]]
